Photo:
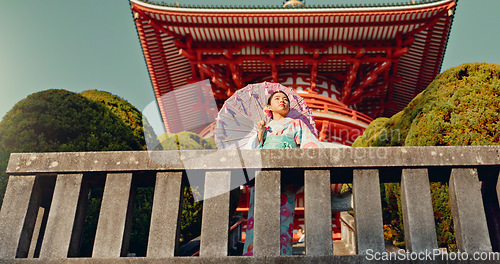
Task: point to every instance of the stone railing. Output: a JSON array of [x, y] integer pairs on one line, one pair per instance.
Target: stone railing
[[44, 205], [348, 233]]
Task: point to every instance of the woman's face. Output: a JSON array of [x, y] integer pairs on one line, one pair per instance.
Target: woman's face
[[280, 104]]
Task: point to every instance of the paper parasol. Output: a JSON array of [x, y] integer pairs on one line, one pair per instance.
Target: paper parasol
[[235, 123]]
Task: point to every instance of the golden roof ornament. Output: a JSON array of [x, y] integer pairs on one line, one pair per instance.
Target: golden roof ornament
[[294, 3]]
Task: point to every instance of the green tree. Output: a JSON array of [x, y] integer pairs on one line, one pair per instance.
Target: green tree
[[185, 140], [460, 107], [3, 176], [59, 121], [130, 115], [190, 215]]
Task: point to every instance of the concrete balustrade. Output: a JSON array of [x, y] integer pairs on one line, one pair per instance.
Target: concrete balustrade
[[348, 232], [367, 211], [418, 217], [215, 219], [267, 214], [318, 203], [44, 206], [17, 214], [468, 211], [164, 227], [61, 216]]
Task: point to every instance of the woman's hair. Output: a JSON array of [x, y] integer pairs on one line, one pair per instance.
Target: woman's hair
[[275, 92]]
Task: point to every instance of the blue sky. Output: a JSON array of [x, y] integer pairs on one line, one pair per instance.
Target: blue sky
[[93, 44]]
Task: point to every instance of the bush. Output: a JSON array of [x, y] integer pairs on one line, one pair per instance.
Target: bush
[[126, 112], [60, 121], [460, 107]]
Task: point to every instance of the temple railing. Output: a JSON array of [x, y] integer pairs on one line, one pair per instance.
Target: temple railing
[[44, 206], [348, 233]]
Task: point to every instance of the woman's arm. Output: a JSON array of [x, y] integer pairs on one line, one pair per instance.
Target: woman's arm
[[260, 130]]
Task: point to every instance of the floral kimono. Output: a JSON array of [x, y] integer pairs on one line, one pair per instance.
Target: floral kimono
[[282, 134]]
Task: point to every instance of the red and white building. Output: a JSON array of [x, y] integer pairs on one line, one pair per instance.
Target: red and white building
[[350, 63]]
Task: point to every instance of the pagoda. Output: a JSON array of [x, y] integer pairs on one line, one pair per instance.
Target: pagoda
[[350, 63]]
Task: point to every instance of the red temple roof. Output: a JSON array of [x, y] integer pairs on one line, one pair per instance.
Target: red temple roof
[[379, 57]]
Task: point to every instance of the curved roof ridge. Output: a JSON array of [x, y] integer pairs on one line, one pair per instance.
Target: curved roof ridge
[[280, 8]]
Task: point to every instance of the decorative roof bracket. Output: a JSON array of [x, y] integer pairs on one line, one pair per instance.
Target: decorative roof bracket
[[236, 74], [217, 77]]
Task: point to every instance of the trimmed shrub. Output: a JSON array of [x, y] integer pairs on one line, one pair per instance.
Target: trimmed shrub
[[460, 107]]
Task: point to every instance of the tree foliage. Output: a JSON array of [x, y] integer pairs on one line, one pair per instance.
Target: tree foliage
[[60, 121], [460, 107], [190, 215], [185, 140], [130, 115]]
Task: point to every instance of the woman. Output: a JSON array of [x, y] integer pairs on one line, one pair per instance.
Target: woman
[[281, 132]]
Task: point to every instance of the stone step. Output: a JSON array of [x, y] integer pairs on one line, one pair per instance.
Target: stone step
[[340, 248]]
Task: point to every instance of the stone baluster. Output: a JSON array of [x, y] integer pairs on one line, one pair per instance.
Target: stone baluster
[[368, 211], [35, 245], [113, 216], [215, 218], [18, 215], [266, 242], [418, 215], [318, 215], [498, 188], [61, 218], [81, 211], [471, 230], [165, 215]]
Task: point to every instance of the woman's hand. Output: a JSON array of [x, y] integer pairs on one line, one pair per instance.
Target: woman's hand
[[260, 130], [261, 124]]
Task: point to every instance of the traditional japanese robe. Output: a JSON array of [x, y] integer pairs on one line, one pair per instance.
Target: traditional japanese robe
[[283, 134]]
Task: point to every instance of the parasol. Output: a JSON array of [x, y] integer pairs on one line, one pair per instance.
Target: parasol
[[235, 123]]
